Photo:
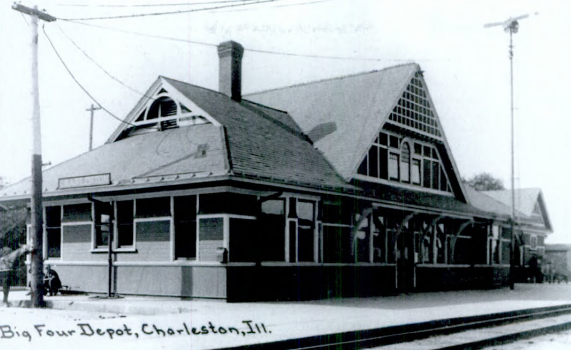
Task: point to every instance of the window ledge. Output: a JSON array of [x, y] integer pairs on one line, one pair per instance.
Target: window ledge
[[125, 250], [118, 250]]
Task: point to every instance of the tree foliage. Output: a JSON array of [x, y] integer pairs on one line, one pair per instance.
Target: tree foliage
[[484, 182]]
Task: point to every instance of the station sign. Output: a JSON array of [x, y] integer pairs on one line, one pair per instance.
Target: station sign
[[84, 181]]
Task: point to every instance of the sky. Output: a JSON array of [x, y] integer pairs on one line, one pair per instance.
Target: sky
[[465, 65]]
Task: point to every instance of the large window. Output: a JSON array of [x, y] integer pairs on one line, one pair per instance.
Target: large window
[[53, 231], [412, 162], [152, 221]]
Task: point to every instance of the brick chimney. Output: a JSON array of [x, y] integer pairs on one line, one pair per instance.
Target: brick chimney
[[230, 70]]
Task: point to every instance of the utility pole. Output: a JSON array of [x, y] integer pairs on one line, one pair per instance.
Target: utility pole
[[37, 275], [92, 109], [511, 25]]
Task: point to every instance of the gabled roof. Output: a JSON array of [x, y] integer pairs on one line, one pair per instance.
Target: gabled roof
[[264, 142], [486, 203], [243, 140], [525, 198], [344, 115], [355, 105], [526, 201]]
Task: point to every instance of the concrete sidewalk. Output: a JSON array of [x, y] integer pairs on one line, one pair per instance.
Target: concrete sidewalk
[[276, 321], [448, 303]]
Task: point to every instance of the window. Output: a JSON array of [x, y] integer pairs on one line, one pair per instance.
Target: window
[[494, 245], [153, 207], [533, 242], [415, 172], [152, 221], [184, 227], [53, 231], [394, 166], [125, 231], [272, 230], [415, 163], [361, 240], [302, 230], [305, 231], [405, 163], [77, 212], [379, 239], [103, 215], [211, 238]]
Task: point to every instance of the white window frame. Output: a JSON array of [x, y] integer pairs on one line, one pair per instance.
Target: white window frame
[[316, 228]]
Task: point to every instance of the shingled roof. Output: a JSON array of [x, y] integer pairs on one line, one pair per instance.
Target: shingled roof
[[344, 115], [263, 142], [252, 141], [157, 157], [353, 107]]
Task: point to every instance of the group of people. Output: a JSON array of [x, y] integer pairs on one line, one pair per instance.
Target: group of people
[[8, 263]]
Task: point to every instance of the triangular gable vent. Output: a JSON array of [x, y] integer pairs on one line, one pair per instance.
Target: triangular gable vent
[[165, 109], [414, 110]]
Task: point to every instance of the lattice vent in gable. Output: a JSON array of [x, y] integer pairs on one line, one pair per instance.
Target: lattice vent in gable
[[414, 109]]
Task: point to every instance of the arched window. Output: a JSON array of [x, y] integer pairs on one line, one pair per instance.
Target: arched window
[[162, 107], [405, 163]]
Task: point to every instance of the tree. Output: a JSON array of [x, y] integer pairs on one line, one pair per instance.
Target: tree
[[485, 182]]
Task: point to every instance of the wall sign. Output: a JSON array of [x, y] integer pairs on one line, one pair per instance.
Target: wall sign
[[84, 181]]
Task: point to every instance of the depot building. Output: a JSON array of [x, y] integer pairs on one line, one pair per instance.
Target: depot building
[[341, 187]]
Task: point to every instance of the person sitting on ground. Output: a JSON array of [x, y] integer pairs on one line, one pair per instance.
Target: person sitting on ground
[[52, 283]]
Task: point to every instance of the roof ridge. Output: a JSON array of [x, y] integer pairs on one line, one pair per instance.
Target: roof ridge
[[265, 106], [220, 93], [333, 78]]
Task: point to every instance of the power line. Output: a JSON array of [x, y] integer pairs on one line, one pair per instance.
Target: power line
[[278, 6], [245, 49], [142, 34], [168, 13], [103, 69], [77, 82], [154, 5]]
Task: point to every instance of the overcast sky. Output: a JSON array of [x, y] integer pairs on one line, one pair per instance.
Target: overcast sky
[[466, 68]]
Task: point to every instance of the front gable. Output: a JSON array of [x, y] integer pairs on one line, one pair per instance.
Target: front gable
[[162, 107], [410, 149]]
